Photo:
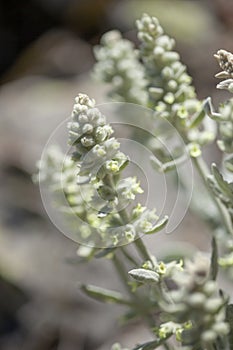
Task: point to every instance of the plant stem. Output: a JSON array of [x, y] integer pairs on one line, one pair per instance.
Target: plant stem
[[121, 272], [142, 249], [129, 257], [203, 170], [136, 299]]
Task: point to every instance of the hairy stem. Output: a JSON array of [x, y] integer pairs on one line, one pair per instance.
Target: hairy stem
[[142, 249], [129, 257], [138, 302]]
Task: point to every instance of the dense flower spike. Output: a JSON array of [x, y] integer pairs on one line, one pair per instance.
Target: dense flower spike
[[170, 89], [196, 299], [118, 65], [167, 76], [59, 172], [191, 301], [104, 201]]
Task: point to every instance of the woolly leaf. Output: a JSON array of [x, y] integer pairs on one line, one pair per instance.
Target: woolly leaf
[[143, 275], [159, 226], [104, 252], [104, 295]]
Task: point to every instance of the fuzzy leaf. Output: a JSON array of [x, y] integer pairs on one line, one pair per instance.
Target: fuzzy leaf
[[159, 226], [104, 252], [198, 119], [143, 275], [104, 295]]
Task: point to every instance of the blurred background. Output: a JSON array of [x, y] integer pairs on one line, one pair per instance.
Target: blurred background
[[45, 61]]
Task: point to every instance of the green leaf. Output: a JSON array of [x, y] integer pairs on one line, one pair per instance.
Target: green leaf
[[104, 252], [159, 226], [143, 275], [198, 119], [104, 295], [214, 260], [229, 318]]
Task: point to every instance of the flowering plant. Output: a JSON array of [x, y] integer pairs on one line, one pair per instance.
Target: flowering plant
[[180, 299]]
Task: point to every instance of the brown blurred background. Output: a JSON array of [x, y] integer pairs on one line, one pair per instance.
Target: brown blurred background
[[45, 60]]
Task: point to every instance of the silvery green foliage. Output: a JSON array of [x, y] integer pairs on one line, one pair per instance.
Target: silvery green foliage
[[118, 65]]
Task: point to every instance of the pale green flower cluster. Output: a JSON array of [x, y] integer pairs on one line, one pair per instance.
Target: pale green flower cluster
[[189, 297], [170, 89], [195, 299], [89, 184], [58, 172], [167, 76], [118, 65], [163, 85]]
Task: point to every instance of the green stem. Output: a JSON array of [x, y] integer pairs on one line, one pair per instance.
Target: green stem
[[121, 273], [136, 299], [142, 249], [129, 257], [166, 346], [203, 170]]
